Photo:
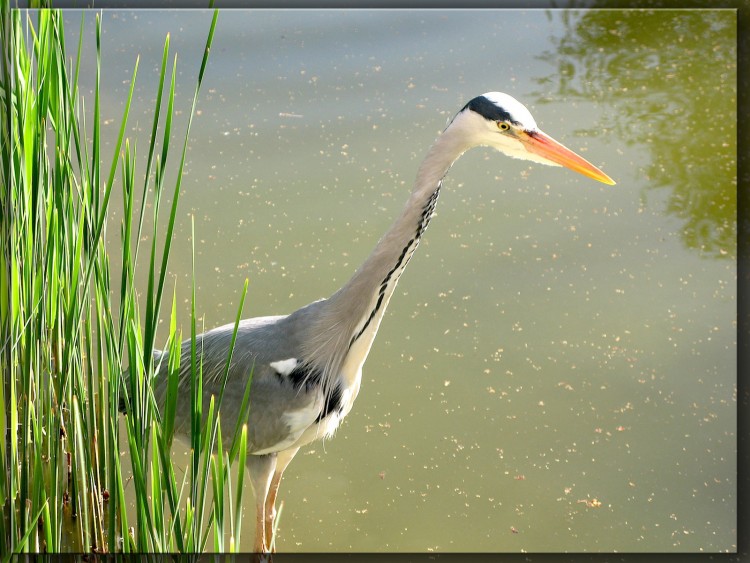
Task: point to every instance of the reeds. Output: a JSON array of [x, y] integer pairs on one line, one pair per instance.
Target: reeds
[[64, 348]]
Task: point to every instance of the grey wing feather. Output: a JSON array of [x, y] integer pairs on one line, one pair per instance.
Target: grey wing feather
[[260, 342]]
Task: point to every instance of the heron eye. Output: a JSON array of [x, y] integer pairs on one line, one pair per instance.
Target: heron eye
[[503, 125]]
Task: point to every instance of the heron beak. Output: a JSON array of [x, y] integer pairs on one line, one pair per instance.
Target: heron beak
[[545, 146]]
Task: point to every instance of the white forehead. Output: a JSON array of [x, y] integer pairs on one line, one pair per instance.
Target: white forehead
[[516, 109]]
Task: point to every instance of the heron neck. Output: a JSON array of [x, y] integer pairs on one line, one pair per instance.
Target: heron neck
[[373, 284], [351, 317]]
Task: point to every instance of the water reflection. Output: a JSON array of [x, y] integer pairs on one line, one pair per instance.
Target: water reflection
[[670, 84]]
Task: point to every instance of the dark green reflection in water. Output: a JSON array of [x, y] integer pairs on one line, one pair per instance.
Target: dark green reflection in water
[[669, 80]]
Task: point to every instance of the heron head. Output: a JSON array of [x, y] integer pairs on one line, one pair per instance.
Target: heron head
[[500, 121]]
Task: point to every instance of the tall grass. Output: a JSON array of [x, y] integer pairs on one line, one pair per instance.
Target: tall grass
[[63, 351]]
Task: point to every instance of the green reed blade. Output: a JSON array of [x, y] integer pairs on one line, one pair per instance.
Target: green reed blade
[[20, 547], [153, 297], [152, 145], [244, 412], [173, 374], [173, 498], [178, 183], [196, 390], [240, 486], [215, 479], [157, 494], [145, 522], [227, 485], [118, 498], [220, 484], [204, 457], [80, 476]]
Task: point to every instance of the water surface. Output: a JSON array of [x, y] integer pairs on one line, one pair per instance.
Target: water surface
[[557, 370]]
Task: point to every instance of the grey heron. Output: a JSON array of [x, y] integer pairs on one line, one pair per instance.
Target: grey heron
[[307, 365]]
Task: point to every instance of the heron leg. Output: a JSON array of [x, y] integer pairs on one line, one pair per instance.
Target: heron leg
[[282, 460], [261, 473]]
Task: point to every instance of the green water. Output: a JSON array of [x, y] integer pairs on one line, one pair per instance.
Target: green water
[[557, 370]]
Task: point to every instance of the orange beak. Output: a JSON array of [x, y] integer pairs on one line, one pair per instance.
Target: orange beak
[[545, 146]]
